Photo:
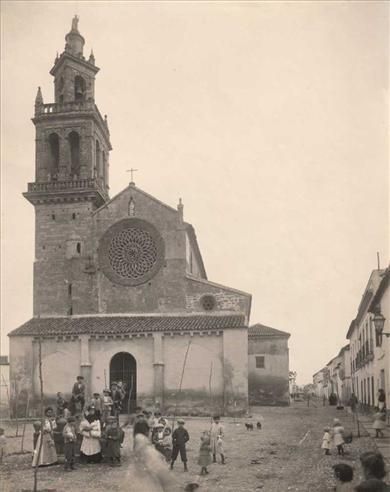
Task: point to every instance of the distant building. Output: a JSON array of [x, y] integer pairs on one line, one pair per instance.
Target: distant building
[[318, 382], [365, 347], [339, 376], [381, 304], [268, 366]]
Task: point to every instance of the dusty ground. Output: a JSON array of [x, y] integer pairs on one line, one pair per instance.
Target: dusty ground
[[287, 453]]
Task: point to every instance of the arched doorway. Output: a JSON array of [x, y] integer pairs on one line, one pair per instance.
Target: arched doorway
[[123, 367]]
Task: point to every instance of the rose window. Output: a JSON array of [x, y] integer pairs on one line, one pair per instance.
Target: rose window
[[131, 252]]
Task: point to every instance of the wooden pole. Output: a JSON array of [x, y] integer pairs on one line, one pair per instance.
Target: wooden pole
[[16, 408], [41, 405], [181, 382], [24, 423], [211, 397]]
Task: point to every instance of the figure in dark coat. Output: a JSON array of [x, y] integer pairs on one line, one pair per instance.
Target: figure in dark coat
[[180, 437], [78, 395], [114, 436]]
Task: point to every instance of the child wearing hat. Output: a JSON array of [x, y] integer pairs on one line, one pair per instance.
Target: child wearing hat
[[326, 440], [158, 436], [180, 437], [70, 439], [114, 437]]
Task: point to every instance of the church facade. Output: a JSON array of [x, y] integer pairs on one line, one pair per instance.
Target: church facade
[[120, 288]]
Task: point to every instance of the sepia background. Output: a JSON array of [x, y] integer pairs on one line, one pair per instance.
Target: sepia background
[[269, 120]]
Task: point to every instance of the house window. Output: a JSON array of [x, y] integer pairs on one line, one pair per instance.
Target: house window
[[260, 362]]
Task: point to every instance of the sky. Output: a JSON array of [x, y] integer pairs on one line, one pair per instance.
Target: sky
[[269, 120]]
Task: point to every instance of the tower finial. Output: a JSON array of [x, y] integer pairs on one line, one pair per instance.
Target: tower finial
[[92, 58], [74, 40], [38, 97], [180, 208], [38, 101], [75, 22]]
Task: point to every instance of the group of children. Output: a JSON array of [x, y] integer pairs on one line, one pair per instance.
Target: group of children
[[334, 438], [171, 444]]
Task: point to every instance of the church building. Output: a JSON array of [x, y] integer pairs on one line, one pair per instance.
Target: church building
[[120, 288]]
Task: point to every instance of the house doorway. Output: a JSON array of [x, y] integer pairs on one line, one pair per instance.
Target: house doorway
[[123, 367]]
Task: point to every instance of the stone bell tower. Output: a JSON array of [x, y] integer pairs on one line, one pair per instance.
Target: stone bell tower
[[71, 180]]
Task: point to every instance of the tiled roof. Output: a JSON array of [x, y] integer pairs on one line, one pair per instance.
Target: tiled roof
[[126, 324], [262, 330]]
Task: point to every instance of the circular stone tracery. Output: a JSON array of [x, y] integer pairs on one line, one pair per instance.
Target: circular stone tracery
[[131, 252]]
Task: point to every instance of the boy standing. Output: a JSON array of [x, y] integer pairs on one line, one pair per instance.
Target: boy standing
[[70, 439], [180, 437], [114, 436]]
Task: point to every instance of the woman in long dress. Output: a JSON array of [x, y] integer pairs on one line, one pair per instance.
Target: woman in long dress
[[45, 450], [90, 451]]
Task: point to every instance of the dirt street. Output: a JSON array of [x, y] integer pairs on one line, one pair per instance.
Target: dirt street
[[284, 455]]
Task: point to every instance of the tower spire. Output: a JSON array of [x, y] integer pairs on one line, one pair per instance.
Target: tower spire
[[74, 40], [38, 98]]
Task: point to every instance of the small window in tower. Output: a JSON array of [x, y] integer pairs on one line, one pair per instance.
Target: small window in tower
[[70, 290], [260, 362], [54, 145], [98, 160], [74, 144], [70, 311], [73, 216], [79, 89], [78, 248], [53, 216]]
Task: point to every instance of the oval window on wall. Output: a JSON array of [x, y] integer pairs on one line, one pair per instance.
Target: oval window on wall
[[208, 302]]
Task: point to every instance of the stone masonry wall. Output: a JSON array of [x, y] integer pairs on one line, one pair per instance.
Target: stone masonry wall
[[165, 291]]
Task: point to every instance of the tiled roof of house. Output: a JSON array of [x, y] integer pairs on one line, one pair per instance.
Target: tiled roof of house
[[117, 324], [262, 330]]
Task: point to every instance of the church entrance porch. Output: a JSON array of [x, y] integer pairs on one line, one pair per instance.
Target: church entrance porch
[[123, 367]]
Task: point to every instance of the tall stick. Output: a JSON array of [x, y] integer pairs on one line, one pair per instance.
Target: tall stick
[[181, 382], [105, 379], [16, 408], [41, 405], [24, 423], [211, 397]]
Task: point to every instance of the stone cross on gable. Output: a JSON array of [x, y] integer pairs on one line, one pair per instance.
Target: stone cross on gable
[[131, 171]]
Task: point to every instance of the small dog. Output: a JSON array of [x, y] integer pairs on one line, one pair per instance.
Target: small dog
[[258, 425], [249, 427]]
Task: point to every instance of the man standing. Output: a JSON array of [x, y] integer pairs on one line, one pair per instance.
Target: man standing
[[78, 395], [116, 396]]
